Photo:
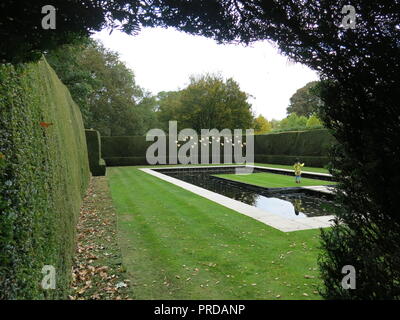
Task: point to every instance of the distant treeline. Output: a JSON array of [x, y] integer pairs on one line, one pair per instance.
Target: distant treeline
[[112, 103]]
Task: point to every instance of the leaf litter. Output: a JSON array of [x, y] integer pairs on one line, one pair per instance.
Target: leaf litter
[[97, 272]]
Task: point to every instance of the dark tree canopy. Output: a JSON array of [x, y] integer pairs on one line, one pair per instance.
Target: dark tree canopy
[[22, 37], [307, 31]]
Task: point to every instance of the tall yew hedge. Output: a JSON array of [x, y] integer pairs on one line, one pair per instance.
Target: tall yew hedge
[[43, 175]]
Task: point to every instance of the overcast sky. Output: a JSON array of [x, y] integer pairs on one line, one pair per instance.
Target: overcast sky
[[163, 60]]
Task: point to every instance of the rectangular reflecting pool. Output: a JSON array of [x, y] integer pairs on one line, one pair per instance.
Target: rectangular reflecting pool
[[290, 203]]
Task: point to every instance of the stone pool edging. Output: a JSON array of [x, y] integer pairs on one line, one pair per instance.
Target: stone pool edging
[[270, 219], [326, 189]]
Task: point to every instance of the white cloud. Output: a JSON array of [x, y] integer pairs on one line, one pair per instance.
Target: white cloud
[[163, 60]]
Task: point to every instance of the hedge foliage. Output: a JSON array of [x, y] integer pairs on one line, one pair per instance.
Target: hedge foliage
[[311, 146], [124, 146], [96, 163], [295, 143], [310, 161], [43, 175]]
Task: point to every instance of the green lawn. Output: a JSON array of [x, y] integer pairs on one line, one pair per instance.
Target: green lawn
[[273, 180], [178, 245], [280, 166]]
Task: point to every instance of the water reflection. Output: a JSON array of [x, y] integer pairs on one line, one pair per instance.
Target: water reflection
[[278, 206], [286, 204]]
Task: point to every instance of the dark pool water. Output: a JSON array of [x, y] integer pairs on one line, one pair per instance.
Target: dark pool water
[[284, 202]]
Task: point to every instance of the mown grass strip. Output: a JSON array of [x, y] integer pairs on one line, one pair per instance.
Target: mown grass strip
[[281, 166]]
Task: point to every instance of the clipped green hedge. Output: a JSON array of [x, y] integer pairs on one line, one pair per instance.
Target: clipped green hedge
[[124, 150], [125, 161], [296, 143], [124, 146], [311, 161], [311, 146], [96, 163], [43, 176]]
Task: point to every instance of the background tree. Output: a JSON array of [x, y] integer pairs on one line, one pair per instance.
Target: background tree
[[261, 125], [275, 124], [104, 88], [169, 106], [207, 102], [293, 122], [314, 122], [304, 102]]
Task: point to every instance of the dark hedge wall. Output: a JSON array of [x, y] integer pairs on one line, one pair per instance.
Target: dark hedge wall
[[311, 146], [44, 174], [96, 163]]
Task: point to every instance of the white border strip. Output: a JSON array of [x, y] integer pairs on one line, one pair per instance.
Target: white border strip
[[273, 220]]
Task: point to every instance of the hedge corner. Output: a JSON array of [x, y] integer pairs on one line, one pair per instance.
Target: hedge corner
[[96, 163]]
